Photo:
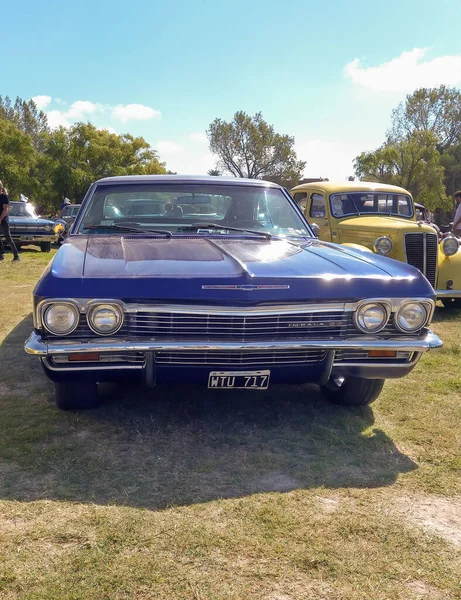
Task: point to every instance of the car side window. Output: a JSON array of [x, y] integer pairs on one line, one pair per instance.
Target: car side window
[[301, 200], [318, 206]]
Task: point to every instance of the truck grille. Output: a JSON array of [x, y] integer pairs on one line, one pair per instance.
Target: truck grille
[[421, 251]]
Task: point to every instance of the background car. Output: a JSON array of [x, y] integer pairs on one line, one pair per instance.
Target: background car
[[238, 295], [383, 219], [27, 228], [64, 222]]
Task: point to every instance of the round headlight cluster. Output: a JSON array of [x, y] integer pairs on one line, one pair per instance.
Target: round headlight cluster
[[449, 245], [47, 227], [105, 319], [411, 317], [383, 245], [61, 318], [372, 317]]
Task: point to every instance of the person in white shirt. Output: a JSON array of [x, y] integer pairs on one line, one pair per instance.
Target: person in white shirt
[[456, 229]]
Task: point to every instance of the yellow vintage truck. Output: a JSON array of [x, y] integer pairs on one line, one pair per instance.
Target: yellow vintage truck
[[382, 219]]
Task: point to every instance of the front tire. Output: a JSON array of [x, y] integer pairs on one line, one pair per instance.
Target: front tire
[[73, 395], [352, 391], [451, 302], [45, 246]]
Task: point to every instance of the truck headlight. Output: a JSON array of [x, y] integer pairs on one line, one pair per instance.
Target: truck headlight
[[383, 245], [411, 317], [47, 228], [371, 317], [105, 319], [449, 245], [61, 318]]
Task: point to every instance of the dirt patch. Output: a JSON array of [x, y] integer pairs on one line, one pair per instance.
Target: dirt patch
[[440, 516], [419, 589]]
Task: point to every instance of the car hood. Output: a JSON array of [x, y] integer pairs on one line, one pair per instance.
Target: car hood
[[18, 221], [217, 269], [380, 224]]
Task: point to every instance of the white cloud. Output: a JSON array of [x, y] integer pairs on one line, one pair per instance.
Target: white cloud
[[166, 147], [134, 112], [82, 108], [330, 158], [57, 119], [407, 72], [41, 101], [198, 137]]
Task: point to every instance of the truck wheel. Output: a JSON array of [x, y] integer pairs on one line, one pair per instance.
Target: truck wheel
[[45, 246], [451, 302], [74, 395], [352, 391]]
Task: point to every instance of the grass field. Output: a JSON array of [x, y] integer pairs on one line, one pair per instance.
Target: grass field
[[184, 493]]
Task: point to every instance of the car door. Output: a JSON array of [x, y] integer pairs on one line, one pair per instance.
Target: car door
[[316, 212]]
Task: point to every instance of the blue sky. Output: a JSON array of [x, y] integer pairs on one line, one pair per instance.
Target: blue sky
[[328, 73]]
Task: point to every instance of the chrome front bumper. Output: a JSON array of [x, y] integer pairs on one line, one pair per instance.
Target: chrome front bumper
[[39, 347], [448, 293], [33, 239]]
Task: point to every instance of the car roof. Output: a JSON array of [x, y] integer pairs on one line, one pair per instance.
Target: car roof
[[331, 187], [127, 179]]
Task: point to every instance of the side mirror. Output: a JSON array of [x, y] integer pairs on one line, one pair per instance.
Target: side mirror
[[316, 229]]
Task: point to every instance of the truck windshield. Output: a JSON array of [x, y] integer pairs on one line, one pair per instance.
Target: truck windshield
[[174, 206], [378, 203]]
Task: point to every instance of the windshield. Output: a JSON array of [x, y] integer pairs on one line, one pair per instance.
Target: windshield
[[21, 209], [360, 203], [173, 207]]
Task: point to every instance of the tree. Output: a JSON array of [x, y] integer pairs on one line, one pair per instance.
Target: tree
[[249, 147], [437, 110], [214, 172], [83, 153], [27, 117], [413, 164], [17, 159]]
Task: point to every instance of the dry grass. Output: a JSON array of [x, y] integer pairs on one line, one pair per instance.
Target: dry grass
[[185, 493]]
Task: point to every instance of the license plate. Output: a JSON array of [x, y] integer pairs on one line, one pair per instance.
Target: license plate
[[248, 380]]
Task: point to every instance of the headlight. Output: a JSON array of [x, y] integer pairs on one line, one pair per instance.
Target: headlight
[[105, 319], [60, 318], [411, 317], [449, 245], [47, 227], [372, 317], [383, 245]]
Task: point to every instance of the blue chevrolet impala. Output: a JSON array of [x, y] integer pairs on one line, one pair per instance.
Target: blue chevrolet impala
[[222, 283]]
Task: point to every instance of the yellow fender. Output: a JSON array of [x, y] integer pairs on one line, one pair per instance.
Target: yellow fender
[[358, 247]]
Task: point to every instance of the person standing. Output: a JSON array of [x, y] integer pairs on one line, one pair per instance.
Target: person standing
[[4, 225], [456, 229]]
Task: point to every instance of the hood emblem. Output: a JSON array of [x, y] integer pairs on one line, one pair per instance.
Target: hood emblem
[[245, 287]]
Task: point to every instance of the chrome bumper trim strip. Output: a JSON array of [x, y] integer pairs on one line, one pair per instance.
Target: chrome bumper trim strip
[[37, 346]]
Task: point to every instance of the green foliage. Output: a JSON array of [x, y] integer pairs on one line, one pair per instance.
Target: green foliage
[[50, 165], [436, 110], [17, 158], [413, 163], [249, 147]]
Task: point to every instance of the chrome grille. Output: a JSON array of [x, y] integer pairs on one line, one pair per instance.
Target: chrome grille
[[421, 251], [240, 327], [134, 358], [237, 359], [362, 355]]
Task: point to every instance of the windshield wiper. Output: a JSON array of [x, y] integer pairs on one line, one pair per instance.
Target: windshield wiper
[[355, 206], [130, 229], [217, 227]]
